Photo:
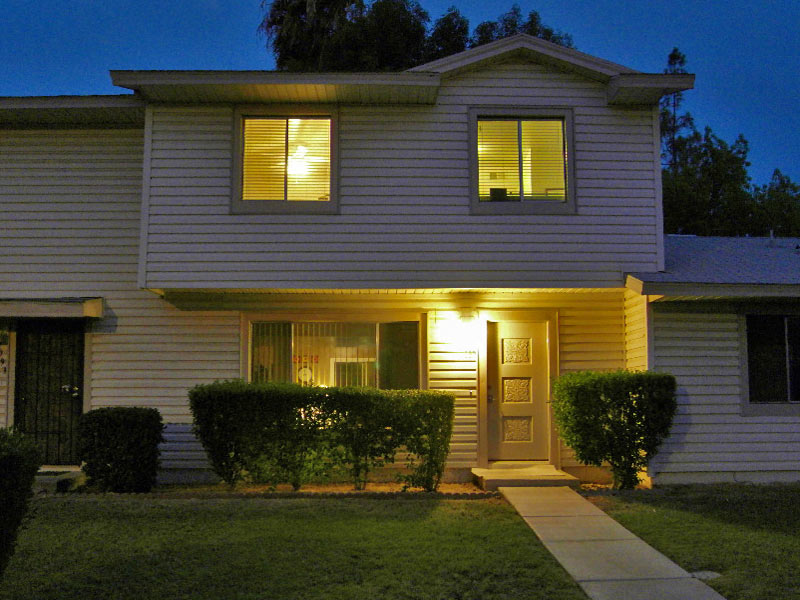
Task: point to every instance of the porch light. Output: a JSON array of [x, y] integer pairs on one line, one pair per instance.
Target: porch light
[[459, 328]]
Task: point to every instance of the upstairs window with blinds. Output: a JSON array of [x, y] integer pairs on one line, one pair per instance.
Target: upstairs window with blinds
[[382, 355], [286, 159], [522, 160]]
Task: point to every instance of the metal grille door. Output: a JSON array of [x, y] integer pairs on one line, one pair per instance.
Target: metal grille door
[[48, 398]]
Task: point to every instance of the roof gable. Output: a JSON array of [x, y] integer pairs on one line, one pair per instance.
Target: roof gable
[[624, 85], [530, 47]]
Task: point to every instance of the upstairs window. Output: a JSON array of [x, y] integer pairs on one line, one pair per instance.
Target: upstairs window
[[521, 162], [284, 164], [773, 359]]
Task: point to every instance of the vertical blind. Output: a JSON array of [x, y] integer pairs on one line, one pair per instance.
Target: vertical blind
[[286, 159], [521, 160], [336, 354]]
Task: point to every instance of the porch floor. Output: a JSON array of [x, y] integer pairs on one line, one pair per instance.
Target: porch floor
[[521, 474]]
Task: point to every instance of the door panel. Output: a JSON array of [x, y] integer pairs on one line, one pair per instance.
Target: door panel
[[48, 396], [517, 391]]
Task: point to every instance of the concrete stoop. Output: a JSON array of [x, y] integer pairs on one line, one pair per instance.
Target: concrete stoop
[[521, 474], [52, 481]]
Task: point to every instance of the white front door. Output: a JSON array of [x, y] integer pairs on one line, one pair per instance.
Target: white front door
[[517, 389]]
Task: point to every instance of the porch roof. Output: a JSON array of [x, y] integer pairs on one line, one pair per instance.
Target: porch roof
[[724, 267]]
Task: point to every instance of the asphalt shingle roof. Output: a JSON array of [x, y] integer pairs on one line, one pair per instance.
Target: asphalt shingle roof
[[728, 260]]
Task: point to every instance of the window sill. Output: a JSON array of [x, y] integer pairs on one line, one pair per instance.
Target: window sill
[[281, 207], [531, 207], [777, 409]]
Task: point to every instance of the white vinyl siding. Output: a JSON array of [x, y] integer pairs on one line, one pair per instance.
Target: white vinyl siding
[[710, 439], [71, 209], [404, 217]]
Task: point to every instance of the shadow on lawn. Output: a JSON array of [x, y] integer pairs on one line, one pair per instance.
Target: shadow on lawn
[[126, 548], [760, 507]]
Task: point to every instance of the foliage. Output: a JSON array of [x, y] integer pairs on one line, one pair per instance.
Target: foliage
[[450, 35], [706, 186], [385, 35], [619, 417], [263, 432], [777, 207], [425, 426], [363, 426], [19, 463], [119, 447], [511, 23], [289, 433]]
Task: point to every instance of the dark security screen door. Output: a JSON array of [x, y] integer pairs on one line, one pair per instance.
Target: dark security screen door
[[48, 395]]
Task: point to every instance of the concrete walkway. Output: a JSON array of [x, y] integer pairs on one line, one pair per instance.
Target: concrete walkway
[[607, 560]]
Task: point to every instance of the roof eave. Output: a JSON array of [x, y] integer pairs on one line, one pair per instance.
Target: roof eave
[[646, 88], [711, 290]]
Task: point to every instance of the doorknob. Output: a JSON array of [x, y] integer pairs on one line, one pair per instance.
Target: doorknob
[[71, 389]]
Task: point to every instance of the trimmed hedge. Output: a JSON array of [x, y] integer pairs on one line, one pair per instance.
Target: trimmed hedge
[[619, 417], [19, 463], [119, 447], [289, 433], [425, 428]]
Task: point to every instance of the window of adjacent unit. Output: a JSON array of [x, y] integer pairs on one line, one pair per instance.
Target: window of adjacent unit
[[382, 355], [773, 360], [521, 163], [284, 164]]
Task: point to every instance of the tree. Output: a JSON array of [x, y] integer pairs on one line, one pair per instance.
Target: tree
[[511, 23], [386, 35], [778, 207], [450, 35], [672, 123], [302, 32]]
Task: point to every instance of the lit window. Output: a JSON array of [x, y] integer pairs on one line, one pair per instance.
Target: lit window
[[521, 160], [285, 163], [383, 355], [773, 359], [287, 159]]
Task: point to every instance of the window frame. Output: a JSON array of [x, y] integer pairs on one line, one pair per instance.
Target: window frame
[[366, 316], [523, 207], [273, 207], [761, 409]]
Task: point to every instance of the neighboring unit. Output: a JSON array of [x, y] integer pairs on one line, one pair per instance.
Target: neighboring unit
[[478, 224]]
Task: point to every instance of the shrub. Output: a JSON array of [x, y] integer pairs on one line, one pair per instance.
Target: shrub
[[119, 447], [19, 462], [619, 417], [364, 427], [425, 427], [278, 433], [267, 432]]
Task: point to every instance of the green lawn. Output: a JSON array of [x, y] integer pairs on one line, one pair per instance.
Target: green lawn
[[83, 547], [749, 534]]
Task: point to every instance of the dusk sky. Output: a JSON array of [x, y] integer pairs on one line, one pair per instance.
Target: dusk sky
[[746, 54]]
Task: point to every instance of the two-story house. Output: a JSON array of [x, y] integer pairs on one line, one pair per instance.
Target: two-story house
[[478, 224]]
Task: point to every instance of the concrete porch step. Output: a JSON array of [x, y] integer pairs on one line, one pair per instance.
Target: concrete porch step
[[521, 474]]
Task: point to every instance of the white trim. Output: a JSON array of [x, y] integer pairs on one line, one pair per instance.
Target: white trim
[[52, 308], [144, 218], [548, 52], [659, 195]]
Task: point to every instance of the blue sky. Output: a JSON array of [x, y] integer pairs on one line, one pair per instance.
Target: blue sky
[[746, 54]]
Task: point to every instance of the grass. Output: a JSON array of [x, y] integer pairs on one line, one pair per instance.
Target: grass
[[128, 547], [750, 534]]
